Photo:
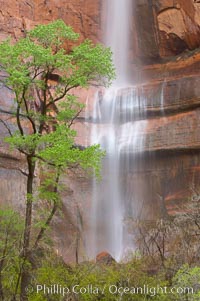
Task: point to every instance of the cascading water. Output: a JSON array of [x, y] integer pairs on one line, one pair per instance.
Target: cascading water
[[116, 129], [118, 15]]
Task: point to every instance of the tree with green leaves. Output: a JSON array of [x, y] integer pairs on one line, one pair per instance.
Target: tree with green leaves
[[41, 70]]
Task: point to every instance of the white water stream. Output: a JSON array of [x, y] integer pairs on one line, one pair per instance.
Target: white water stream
[[115, 128]]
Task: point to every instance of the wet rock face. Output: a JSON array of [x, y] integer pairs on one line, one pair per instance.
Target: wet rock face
[[144, 32], [18, 16], [163, 28], [178, 24]]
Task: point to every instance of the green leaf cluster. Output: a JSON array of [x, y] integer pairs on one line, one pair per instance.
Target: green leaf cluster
[[53, 34], [189, 279], [41, 53]]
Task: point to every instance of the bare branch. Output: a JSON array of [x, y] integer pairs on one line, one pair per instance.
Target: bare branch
[[72, 120], [66, 89], [43, 160], [6, 126], [12, 113], [44, 105], [23, 172]]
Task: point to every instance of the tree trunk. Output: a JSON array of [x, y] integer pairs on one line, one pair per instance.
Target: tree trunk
[[26, 265]]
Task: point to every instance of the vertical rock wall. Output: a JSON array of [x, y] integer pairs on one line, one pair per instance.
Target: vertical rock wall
[[160, 29]]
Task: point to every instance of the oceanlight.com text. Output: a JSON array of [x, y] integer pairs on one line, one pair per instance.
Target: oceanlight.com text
[[113, 289]]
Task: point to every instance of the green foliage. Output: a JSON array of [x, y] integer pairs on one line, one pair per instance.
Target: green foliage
[[11, 229], [25, 143], [29, 64], [189, 279], [91, 64], [53, 34], [41, 53], [90, 281], [97, 281], [69, 109]]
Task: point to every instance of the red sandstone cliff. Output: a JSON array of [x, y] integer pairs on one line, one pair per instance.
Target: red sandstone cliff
[[162, 30], [17, 16]]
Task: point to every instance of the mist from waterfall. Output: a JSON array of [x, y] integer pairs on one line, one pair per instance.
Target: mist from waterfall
[[115, 128]]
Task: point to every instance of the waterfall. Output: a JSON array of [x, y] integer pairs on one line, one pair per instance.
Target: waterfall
[[115, 127], [118, 15]]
